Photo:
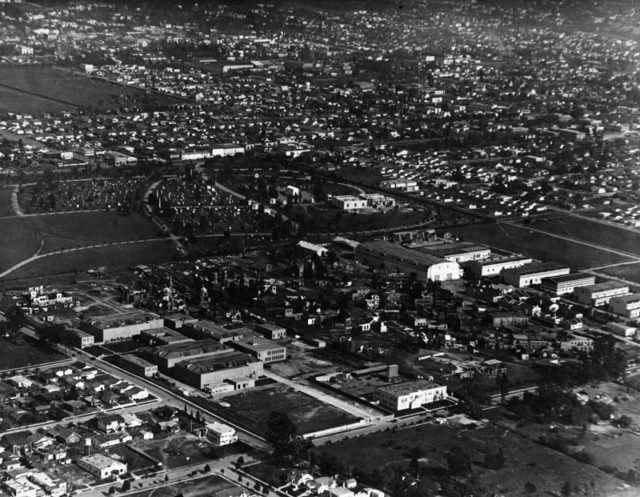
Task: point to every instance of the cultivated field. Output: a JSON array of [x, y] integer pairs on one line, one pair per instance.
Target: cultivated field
[[537, 245], [251, 410], [525, 461], [63, 89], [27, 353]]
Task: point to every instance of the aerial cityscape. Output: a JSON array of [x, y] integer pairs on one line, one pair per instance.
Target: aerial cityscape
[[300, 248]]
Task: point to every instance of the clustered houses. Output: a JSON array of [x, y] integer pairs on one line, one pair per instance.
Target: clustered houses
[[36, 463], [57, 392], [306, 485]]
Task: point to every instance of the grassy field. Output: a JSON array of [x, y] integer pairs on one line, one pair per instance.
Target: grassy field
[[209, 486], [588, 231], [117, 255], [60, 88], [28, 354], [251, 410], [628, 272], [18, 241], [525, 460], [5, 202], [177, 451], [16, 101], [536, 245], [61, 231]]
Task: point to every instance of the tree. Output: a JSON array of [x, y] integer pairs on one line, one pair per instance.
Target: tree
[[126, 486], [281, 432], [416, 453], [458, 462], [530, 488], [566, 490], [206, 468]]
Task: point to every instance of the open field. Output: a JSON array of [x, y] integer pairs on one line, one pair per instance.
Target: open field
[[29, 353], [117, 255], [18, 241], [524, 460], [209, 486], [628, 272], [252, 409], [537, 245], [588, 231], [63, 231], [62, 89], [13, 100], [177, 451]]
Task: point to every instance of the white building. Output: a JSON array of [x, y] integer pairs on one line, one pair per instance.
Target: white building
[[600, 293], [221, 434], [102, 466], [19, 488], [55, 488], [410, 395], [622, 329], [533, 274], [348, 202], [626, 305], [493, 267]]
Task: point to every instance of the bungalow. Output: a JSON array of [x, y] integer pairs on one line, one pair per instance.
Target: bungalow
[[110, 423], [16, 442], [67, 436]]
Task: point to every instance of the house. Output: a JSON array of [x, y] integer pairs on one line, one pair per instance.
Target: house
[[102, 466], [17, 442], [110, 423], [67, 436]]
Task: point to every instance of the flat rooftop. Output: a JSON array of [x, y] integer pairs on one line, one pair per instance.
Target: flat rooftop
[[568, 278], [398, 252], [502, 260], [606, 285], [123, 319], [187, 349], [259, 344], [218, 362], [409, 387], [134, 359], [542, 267]]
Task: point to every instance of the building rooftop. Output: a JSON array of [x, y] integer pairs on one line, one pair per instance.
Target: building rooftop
[[409, 387], [125, 319], [134, 359], [535, 268], [606, 285], [259, 344], [99, 461], [219, 362], [502, 260], [187, 349], [569, 277], [628, 299], [398, 252]]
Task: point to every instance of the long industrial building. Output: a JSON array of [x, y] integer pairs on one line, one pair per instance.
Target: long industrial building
[[533, 274], [391, 256], [167, 356], [600, 293], [121, 326], [214, 370], [561, 285]]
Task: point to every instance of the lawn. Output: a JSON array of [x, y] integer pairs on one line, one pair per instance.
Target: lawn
[[209, 486], [178, 450], [18, 241], [537, 245], [251, 410], [62, 88], [30, 353], [525, 460], [114, 256]]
